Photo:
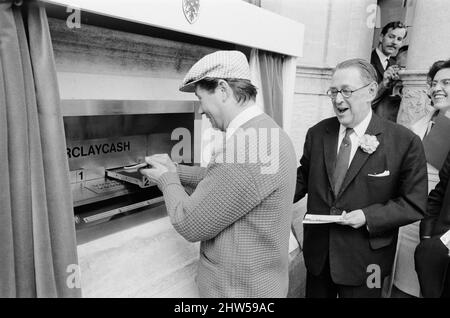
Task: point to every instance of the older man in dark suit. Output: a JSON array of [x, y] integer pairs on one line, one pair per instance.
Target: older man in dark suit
[[371, 175], [432, 254]]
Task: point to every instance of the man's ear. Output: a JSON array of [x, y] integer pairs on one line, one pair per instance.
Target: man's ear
[[224, 89], [373, 90]]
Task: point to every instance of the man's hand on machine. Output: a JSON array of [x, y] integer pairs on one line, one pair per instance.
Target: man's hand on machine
[[156, 165]]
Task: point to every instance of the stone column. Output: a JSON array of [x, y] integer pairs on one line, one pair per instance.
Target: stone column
[[350, 30], [430, 41]]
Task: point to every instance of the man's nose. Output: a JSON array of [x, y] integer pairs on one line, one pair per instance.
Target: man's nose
[[437, 87], [339, 98]]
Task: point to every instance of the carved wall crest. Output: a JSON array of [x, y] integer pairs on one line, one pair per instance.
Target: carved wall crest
[[191, 10]]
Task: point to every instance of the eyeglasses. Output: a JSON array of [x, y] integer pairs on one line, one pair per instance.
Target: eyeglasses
[[345, 92], [443, 83]]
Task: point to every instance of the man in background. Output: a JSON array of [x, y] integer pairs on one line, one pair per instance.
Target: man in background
[[386, 104]]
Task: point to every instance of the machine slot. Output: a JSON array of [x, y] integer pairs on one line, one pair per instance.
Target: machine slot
[[131, 176]]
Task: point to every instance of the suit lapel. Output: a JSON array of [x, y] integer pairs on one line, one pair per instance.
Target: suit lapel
[[375, 60], [375, 128], [330, 142]]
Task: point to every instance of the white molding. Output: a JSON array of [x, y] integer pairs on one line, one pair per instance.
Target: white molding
[[313, 71], [312, 80], [414, 77]]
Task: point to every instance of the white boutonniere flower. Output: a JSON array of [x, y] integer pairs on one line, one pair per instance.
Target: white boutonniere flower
[[368, 143]]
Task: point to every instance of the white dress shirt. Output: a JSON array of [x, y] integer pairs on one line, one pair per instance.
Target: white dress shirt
[[243, 117], [358, 131], [383, 58]]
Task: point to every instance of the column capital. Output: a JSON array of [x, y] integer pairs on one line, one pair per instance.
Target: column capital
[[414, 77], [415, 102]]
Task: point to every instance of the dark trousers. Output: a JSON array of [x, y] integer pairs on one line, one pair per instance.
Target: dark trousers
[[432, 265], [446, 291], [322, 286]]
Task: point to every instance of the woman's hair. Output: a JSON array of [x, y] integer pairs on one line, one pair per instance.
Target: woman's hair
[[404, 48], [436, 67]]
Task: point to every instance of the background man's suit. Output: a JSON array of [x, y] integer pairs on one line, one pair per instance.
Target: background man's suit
[[384, 105], [388, 202], [431, 256], [375, 61]]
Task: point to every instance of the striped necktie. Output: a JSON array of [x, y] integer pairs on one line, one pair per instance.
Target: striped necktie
[[342, 161]]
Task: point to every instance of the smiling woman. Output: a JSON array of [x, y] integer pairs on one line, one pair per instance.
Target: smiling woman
[[439, 82], [434, 129]]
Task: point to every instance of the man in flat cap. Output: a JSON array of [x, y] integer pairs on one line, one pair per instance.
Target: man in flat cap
[[240, 209]]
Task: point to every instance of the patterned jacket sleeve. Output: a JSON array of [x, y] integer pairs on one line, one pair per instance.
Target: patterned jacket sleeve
[[226, 193], [190, 176]]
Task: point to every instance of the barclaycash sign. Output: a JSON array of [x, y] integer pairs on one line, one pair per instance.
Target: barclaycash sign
[[97, 149]]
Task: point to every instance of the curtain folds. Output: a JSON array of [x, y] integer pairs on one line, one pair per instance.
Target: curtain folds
[[274, 75], [38, 247], [289, 76], [267, 74]]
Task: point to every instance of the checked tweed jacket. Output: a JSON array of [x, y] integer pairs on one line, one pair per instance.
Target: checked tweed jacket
[[241, 216]]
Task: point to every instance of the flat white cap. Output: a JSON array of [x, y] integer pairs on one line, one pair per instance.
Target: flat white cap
[[220, 64]]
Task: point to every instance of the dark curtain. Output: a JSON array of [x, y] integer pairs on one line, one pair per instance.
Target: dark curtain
[[37, 233], [271, 68]]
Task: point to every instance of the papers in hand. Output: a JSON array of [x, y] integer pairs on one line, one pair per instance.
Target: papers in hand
[[321, 219], [136, 166]]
